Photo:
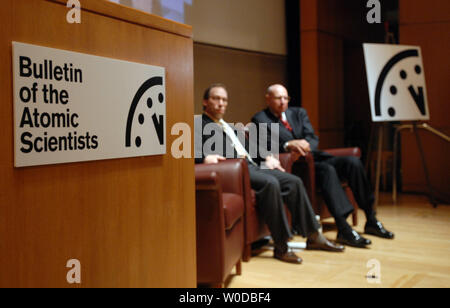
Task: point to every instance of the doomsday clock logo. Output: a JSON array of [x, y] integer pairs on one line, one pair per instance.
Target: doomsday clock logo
[[396, 82], [146, 117]]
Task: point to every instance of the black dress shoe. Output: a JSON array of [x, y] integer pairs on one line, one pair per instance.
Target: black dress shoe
[[352, 238], [377, 229]]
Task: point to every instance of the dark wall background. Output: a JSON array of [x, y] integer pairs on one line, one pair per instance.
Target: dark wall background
[[427, 24], [332, 79]]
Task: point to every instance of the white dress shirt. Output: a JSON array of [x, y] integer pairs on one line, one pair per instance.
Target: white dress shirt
[[240, 149]]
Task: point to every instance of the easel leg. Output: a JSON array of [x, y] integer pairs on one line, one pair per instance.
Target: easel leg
[[369, 148], [394, 169], [377, 178], [425, 169]]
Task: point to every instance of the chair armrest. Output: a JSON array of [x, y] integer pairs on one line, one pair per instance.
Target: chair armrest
[[234, 178], [210, 224], [206, 180], [231, 173], [355, 151], [287, 160]]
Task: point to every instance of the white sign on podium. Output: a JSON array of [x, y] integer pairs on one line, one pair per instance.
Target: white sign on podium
[[72, 107]]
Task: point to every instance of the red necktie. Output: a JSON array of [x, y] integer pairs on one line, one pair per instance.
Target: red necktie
[[286, 124]]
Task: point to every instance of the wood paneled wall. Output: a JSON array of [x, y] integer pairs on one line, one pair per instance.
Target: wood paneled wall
[[130, 222], [246, 74], [427, 24], [325, 26]]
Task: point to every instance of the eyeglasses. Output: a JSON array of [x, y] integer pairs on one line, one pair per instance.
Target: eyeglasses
[[279, 98], [218, 99]]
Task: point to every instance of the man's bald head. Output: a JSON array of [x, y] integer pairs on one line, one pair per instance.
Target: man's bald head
[[273, 88], [277, 99]]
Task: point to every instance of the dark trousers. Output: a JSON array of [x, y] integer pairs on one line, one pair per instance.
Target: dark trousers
[[274, 188], [330, 172]]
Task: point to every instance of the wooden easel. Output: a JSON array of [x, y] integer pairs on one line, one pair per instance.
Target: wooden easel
[[414, 128], [388, 39]]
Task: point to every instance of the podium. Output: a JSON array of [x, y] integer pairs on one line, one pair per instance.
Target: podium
[[129, 222]]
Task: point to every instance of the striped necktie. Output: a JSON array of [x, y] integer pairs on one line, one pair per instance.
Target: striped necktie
[[283, 120]]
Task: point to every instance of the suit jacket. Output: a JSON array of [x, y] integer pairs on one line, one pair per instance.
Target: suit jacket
[[301, 129], [206, 145]]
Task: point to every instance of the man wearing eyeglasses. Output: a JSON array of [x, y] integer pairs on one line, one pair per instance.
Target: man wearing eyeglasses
[[273, 187], [296, 134]]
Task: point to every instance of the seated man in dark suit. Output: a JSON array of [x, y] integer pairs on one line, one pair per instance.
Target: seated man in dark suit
[[296, 134], [273, 187]]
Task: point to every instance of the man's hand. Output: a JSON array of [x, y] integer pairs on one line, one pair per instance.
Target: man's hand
[[301, 147], [273, 163], [213, 159]]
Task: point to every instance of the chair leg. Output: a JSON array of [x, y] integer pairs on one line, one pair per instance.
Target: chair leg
[[247, 252], [239, 268], [384, 173]]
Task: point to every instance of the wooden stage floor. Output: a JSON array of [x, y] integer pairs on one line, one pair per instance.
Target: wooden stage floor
[[419, 256]]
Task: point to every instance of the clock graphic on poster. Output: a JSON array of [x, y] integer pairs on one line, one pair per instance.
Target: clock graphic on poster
[[396, 81]]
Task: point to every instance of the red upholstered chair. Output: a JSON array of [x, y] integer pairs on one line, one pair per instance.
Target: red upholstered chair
[[304, 168], [234, 177], [220, 220]]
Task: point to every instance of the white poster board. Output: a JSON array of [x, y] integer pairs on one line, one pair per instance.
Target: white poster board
[[72, 107], [396, 81]]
